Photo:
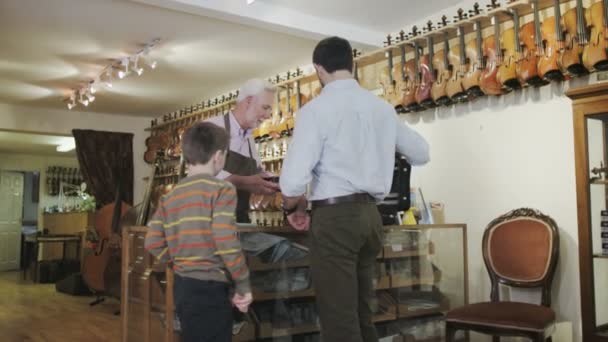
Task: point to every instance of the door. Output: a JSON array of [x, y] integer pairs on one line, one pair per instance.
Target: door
[[11, 212]]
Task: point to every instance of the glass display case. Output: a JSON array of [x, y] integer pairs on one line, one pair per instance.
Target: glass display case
[[590, 106], [421, 273]]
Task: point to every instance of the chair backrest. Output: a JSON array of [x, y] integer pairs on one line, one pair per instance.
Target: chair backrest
[[521, 249]]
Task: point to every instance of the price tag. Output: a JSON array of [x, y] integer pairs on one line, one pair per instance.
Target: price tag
[[397, 248]]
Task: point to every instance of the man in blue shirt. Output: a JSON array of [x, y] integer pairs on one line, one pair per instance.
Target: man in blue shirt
[[344, 148]]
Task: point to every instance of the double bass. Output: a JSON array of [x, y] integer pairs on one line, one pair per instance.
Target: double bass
[[102, 269], [595, 56], [576, 39]]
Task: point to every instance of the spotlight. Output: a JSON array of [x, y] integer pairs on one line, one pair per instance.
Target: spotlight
[[125, 64], [136, 67], [85, 102]]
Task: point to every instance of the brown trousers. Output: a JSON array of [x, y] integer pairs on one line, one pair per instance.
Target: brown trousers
[[345, 241]]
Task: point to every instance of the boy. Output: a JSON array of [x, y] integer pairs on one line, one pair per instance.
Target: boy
[[194, 228]]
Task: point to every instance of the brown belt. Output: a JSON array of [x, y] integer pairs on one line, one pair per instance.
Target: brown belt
[[354, 198]]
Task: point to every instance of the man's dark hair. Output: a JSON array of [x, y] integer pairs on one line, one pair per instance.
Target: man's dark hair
[[202, 140], [333, 53]]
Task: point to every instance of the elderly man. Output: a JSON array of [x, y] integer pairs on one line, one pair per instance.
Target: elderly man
[[243, 166]]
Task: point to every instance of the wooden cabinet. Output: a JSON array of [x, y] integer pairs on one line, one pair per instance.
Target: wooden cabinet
[[590, 107], [65, 223]]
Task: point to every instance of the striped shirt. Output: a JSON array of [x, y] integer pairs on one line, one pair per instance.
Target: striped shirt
[[194, 227]]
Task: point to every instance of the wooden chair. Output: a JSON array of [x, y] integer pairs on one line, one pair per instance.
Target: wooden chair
[[520, 249]]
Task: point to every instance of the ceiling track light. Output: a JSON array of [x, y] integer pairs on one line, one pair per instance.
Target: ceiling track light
[[85, 95], [136, 67]]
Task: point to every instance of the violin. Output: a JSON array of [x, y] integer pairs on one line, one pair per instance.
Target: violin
[[531, 46], [576, 38], [510, 47], [388, 82], [474, 53], [156, 142], [492, 52], [594, 53], [412, 77], [423, 95], [442, 67], [455, 88], [399, 75], [553, 41]]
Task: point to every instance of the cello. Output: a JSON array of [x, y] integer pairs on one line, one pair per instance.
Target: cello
[[576, 39], [594, 54]]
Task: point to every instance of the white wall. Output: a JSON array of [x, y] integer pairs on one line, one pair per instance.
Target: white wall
[[63, 121], [25, 162], [498, 154]]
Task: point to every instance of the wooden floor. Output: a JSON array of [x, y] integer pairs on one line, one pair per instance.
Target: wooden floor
[[36, 312]]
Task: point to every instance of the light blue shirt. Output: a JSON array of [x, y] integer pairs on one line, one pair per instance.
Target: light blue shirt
[[344, 142]]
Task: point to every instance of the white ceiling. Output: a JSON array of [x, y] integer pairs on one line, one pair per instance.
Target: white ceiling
[[33, 143], [48, 47], [384, 16]]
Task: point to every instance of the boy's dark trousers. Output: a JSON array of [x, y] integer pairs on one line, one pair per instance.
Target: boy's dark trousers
[[204, 310]]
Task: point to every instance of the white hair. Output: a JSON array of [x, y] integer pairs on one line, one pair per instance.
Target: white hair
[[254, 87]]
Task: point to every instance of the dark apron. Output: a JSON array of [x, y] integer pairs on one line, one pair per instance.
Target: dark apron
[[240, 165]]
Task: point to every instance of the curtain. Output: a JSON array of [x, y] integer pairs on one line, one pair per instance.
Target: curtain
[[106, 158]]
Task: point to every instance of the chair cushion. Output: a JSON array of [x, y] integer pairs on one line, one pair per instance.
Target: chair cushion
[[510, 315]]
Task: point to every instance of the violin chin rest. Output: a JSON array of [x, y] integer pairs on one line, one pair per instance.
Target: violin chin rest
[[512, 84], [554, 75], [577, 69], [475, 91], [536, 81], [601, 65]]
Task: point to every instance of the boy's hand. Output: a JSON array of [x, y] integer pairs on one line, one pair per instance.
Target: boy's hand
[[242, 302]]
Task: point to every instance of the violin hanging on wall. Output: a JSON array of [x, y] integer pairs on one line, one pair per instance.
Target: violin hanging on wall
[[455, 87], [576, 39], [553, 42], [492, 52], [423, 95], [531, 47], [594, 54], [442, 67], [474, 53], [412, 73], [509, 46]]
